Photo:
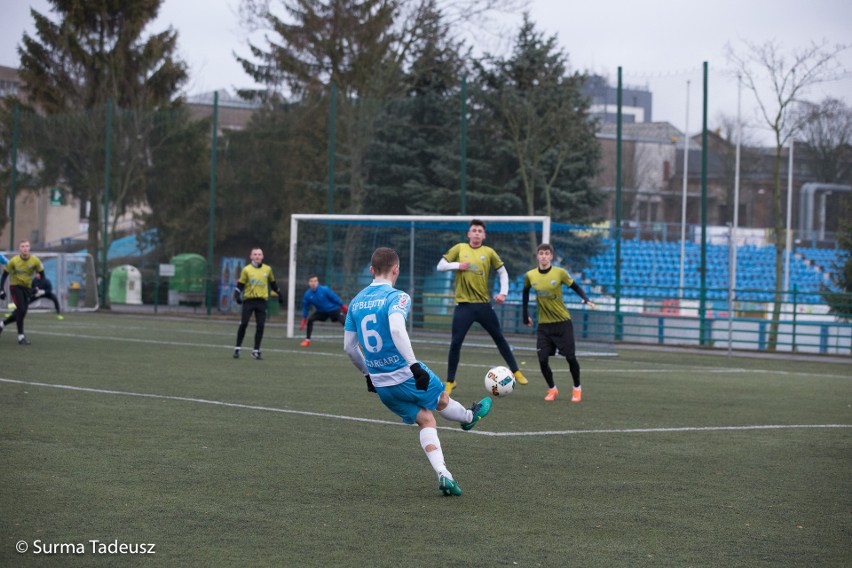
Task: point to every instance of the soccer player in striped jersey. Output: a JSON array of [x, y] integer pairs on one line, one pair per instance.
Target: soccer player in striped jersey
[[473, 263], [377, 343], [555, 330], [21, 267], [252, 292]]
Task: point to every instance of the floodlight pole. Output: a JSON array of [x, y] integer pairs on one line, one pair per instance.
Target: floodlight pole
[[788, 234], [732, 271]]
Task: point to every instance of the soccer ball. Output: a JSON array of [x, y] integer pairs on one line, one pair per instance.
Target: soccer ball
[[499, 381]]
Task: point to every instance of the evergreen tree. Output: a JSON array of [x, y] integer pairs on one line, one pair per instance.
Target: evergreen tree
[[541, 127], [270, 170], [416, 150], [94, 53]]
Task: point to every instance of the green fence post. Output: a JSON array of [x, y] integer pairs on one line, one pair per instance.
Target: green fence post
[[618, 318], [16, 124], [107, 160], [210, 231], [702, 309], [795, 311], [332, 143], [463, 147]]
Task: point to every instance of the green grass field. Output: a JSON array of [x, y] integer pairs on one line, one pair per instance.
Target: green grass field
[[145, 430]]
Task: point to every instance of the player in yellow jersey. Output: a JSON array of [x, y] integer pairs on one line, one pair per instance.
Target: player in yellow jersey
[[555, 330], [21, 267], [253, 292], [473, 263]]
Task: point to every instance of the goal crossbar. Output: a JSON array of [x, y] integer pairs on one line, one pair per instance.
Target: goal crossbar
[[453, 222]]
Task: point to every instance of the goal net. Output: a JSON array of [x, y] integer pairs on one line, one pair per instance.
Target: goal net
[[337, 248], [73, 278]]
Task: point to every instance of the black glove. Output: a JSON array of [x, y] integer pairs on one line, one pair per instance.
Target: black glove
[[238, 297], [421, 377], [2, 294], [370, 387]]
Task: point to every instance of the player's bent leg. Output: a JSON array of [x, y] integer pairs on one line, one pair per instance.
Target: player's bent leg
[[480, 410], [453, 410], [431, 444], [463, 318], [487, 318]]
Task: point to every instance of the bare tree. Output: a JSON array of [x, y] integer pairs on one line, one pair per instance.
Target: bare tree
[[790, 75], [751, 162], [827, 133]]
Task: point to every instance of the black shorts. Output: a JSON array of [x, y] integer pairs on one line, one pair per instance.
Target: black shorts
[[551, 337], [325, 316]]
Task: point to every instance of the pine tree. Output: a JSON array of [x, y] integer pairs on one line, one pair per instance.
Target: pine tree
[[540, 118], [92, 53]]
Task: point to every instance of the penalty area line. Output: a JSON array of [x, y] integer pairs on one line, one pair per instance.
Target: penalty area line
[[391, 423]]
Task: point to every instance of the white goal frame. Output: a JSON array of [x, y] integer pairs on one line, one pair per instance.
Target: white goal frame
[[294, 239], [89, 288]]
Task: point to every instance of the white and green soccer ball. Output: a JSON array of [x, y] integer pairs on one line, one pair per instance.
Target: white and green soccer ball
[[499, 381]]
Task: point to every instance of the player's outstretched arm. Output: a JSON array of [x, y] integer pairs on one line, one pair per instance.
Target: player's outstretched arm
[[444, 265], [579, 291]]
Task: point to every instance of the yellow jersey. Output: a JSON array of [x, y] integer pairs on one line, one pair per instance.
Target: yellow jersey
[[256, 281], [548, 293], [472, 284], [21, 271]]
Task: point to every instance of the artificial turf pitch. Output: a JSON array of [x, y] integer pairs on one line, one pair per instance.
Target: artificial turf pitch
[[134, 429]]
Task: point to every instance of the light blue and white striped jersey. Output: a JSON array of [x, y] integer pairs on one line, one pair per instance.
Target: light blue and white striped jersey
[[368, 316]]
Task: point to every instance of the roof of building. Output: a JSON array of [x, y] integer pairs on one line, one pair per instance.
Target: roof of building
[[660, 132], [226, 99]]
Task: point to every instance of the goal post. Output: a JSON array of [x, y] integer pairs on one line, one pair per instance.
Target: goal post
[[74, 280], [338, 249]]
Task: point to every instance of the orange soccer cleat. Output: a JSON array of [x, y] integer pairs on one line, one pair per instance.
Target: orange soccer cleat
[[551, 394], [576, 395]]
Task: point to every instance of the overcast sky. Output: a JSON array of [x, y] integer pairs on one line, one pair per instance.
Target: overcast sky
[[660, 44]]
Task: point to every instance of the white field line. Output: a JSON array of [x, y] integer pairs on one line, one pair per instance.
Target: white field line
[[558, 369], [391, 423]]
